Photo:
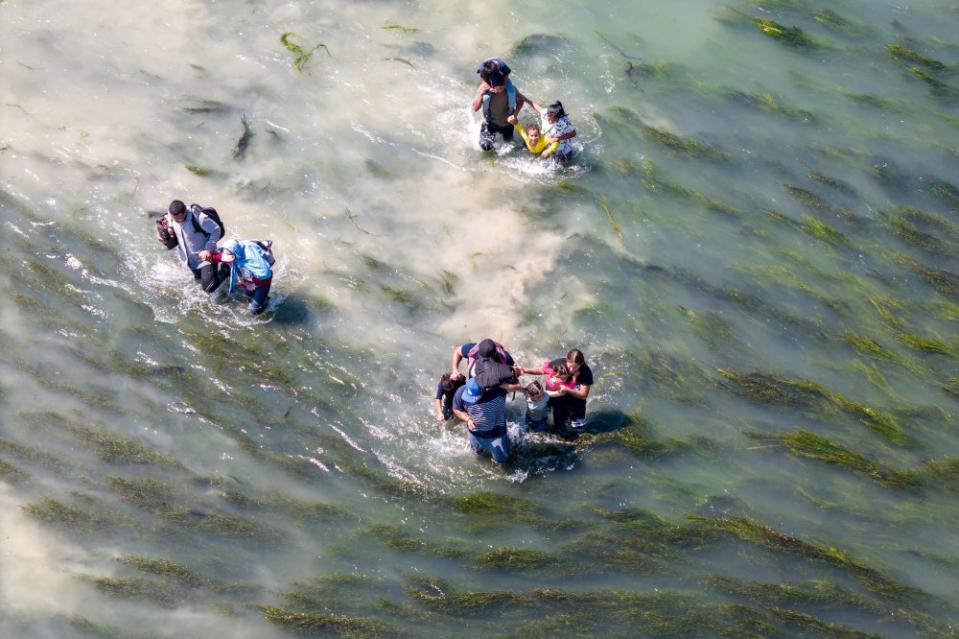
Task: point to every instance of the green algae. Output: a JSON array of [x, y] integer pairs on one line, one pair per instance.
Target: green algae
[[613, 224], [757, 533], [908, 55], [908, 232], [392, 26], [397, 538], [832, 182], [302, 55], [33, 457], [809, 623], [936, 86], [103, 631], [926, 345], [636, 439], [335, 591], [653, 182], [327, 623], [947, 192], [810, 445], [50, 511], [487, 509], [772, 104], [767, 388], [139, 589], [824, 232], [168, 569], [118, 450], [790, 36], [200, 171], [515, 559], [687, 146], [871, 348], [10, 473]]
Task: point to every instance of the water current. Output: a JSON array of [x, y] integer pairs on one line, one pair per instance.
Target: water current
[[756, 246]]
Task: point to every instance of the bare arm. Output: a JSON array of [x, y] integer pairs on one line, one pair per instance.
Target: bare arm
[[478, 98], [463, 416], [439, 409], [520, 101], [455, 363], [580, 392]]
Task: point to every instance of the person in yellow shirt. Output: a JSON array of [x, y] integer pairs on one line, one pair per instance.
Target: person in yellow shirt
[[536, 142]]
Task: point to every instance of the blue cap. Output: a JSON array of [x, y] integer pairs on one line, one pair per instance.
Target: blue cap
[[472, 392]]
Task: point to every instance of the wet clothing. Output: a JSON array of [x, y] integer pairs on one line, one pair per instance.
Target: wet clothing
[[249, 269], [553, 383], [537, 413], [447, 397], [567, 407], [191, 241], [465, 349], [562, 126], [499, 106], [541, 143], [488, 134], [489, 416]]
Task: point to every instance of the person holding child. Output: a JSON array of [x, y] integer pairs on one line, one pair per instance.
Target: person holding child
[[571, 381], [498, 99]]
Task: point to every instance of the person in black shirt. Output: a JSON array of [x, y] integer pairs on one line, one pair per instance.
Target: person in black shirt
[[444, 396], [569, 401]]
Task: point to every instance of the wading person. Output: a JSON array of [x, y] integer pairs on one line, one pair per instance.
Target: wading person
[[484, 412], [568, 400], [251, 269], [193, 232], [472, 352], [498, 99]]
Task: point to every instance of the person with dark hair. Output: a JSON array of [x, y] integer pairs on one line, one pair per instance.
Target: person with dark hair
[[568, 400], [498, 99], [557, 128], [445, 391], [471, 351], [194, 234], [537, 407]]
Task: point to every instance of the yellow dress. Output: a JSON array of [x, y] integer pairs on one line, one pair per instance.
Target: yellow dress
[[542, 147]]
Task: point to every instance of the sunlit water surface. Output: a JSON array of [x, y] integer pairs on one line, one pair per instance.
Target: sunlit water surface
[[756, 246]]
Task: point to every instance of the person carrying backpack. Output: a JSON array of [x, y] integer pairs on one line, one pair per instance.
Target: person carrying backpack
[[251, 268], [193, 232]]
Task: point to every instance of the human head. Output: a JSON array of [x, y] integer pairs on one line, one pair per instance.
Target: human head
[[177, 209], [486, 348], [494, 72], [534, 389], [555, 111], [575, 359], [561, 370], [446, 381], [472, 392], [533, 131]]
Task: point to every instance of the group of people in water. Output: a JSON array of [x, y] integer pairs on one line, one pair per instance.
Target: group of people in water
[[501, 103], [478, 398]]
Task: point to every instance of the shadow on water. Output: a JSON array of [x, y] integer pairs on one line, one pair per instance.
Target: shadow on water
[[294, 311], [535, 456]]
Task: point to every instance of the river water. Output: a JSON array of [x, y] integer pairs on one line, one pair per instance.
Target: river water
[[756, 246]]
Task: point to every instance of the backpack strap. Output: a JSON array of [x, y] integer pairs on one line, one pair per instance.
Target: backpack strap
[[196, 223]]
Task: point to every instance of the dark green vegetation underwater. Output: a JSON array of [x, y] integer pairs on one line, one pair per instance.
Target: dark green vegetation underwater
[[775, 451]]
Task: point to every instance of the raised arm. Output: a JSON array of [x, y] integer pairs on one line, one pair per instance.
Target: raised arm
[[478, 98], [455, 360]]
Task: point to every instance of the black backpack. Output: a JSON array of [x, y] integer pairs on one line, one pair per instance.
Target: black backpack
[[489, 373], [211, 213]]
